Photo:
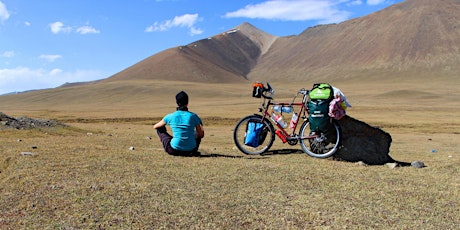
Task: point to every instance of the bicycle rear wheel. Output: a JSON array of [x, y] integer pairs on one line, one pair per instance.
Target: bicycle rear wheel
[[266, 135], [320, 145]]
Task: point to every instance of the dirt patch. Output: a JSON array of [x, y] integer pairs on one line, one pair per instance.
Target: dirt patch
[[7, 122]]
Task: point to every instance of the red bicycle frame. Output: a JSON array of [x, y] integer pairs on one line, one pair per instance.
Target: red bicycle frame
[[281, 132]]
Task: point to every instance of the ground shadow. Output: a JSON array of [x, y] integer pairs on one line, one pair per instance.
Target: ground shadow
[[218, 155], [256, 156], [282, 152], [205, 155]]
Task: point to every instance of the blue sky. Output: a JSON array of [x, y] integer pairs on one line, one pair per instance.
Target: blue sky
[[46, 43]]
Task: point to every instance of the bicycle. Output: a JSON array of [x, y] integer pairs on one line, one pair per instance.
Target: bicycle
[[320, 144]]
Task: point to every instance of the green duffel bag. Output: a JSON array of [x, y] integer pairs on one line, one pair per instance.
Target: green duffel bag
[[318, 115], [321, 91]]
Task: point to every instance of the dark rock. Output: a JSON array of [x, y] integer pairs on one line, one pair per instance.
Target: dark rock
[[362, 142], [8, 122]]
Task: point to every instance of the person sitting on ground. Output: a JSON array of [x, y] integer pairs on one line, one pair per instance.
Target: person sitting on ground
[[186, 126]]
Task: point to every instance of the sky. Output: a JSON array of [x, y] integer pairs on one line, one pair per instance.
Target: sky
[[46, 43]]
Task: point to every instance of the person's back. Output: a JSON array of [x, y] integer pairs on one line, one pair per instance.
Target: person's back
[[183, 125], [186, 127]]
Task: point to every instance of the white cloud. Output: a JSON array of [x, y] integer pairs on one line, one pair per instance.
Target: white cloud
[[59, 27], [50, 58], [195, 31], [27, 23], [4, 15], [55, 72], [8, 54], [22, 78], [356, 2], [186, 20], [375, 2], [87, 30], [325, 11]]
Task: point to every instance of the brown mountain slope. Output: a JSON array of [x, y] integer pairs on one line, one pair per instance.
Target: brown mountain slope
[[414, 44], [414, 36], [226, 57]]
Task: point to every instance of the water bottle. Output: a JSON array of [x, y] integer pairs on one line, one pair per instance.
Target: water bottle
[[293, 122], [273, 117], [286, 109], [277, 108], [281, 122]]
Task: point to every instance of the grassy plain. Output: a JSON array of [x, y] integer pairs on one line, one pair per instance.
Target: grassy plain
[[86, 176]]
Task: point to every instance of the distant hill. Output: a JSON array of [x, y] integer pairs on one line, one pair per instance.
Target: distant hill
[[417, 41]]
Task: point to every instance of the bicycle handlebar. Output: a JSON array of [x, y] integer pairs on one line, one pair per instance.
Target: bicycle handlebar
[[304, 91], [270, 90]]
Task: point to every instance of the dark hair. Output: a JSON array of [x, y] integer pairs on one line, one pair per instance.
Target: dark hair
[[182, 98]]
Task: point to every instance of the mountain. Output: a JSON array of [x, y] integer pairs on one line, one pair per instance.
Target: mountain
[[415, 36], [412, 38], [416, 41], [226, 57]]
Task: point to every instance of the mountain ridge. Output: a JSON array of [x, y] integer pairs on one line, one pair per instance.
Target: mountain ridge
[[414, 37], [405, 36], [416, 41], [225, 57]]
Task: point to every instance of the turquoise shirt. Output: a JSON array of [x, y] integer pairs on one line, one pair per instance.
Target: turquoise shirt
[[183, 125]]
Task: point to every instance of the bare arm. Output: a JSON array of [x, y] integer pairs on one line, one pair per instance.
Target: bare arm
[[159, 124], [200, 130]]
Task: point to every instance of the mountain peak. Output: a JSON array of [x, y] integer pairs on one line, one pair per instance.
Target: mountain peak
[[262, 39]]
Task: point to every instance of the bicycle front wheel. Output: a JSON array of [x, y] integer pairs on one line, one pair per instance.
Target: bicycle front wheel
[[266, 135], [319, 145]]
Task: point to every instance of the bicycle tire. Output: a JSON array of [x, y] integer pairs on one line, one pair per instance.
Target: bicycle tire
[[322, 145], [266, 141]]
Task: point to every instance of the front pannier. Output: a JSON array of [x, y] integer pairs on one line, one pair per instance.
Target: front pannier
[[253, 133]]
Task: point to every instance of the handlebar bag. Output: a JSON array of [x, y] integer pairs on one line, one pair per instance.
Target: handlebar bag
[[257, 90]]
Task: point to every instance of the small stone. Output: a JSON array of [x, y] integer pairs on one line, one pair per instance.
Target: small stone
[[131, 148], [19, 140], [417, 164], [34, 147], [392, 165], [27, 154], [361, 163]]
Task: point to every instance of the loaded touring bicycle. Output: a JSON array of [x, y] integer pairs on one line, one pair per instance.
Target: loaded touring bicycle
[[310, 126]]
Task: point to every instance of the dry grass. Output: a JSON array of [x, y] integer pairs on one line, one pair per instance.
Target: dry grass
[[86, 177]]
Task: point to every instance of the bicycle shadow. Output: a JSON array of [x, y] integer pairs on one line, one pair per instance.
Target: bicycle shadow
[[209, 155], [282, 152], [260, 156], [205, 155]]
